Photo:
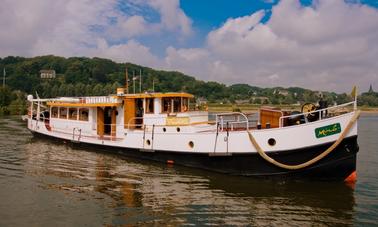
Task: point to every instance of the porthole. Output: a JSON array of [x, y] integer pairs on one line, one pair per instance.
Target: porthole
[[148, 142], [178, 129], [191, 144], [271, 142], [164, 129]]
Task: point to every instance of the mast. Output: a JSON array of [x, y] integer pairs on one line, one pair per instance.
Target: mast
[[134, 80], [127, 81]]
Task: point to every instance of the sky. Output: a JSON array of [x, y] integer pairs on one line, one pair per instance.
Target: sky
[[328, 45]]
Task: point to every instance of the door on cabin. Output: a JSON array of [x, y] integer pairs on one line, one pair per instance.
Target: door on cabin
[[100, 121], [108, 120], [139, 112], [129, 113]]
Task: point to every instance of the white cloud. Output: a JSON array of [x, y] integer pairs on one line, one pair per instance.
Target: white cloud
[[172, 16], [132, 51], [331, 45], [73, 28]]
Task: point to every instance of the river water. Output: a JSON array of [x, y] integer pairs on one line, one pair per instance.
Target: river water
[[44, 183]]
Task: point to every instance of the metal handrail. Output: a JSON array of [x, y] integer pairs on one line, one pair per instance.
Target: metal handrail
[[315, 111], [231, 122]]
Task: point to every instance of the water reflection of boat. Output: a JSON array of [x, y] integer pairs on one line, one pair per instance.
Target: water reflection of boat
[[145, 192], [163, 127]]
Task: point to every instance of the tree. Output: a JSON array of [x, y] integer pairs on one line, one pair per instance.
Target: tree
[[76, 73], [62, 90], [79, 89], [54, 91], [70, 90], [5, 96], [98, 90], [343, 98]]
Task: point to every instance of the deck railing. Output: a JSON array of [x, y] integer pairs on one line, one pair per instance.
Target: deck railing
[[321, 113], [232, 121], [99, 99], [224, 121]]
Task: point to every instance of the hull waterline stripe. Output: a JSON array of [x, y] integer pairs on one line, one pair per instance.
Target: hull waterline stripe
[[312, 161]]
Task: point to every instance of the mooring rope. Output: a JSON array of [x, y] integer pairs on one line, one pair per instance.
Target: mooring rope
[[312, 161]]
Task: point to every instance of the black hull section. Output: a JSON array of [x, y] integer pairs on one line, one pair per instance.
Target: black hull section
[[337, 166]]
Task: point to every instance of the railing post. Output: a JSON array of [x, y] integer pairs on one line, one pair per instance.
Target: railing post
[[152, 136], [227, 137], [216, 137]]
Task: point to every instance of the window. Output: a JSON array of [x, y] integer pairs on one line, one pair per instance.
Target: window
[[176, 105], [185, 104], [83, 114], [54, 112], [166, 103], [63, 112], [149, 105], [72, 113]]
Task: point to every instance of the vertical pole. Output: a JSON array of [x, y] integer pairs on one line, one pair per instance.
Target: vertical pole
[[144, 134], [152, 137], [216, 137], [227, 137], [134, 81], [355, 100], [38, 110], [31, 109], [153, 85], [127, 81]]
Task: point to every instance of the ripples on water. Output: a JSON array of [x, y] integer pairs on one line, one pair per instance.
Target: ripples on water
[[44, 182]]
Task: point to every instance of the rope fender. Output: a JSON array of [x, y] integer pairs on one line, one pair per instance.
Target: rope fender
[[312, 161]]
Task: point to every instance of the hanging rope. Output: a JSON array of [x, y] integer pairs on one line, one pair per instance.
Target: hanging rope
[[312, 161]]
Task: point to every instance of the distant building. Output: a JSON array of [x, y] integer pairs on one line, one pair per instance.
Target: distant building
[[371, 89], [201, 101], [47, 74], [281, 92]]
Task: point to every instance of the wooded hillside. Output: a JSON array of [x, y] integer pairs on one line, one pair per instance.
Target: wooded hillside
[[81, 76]]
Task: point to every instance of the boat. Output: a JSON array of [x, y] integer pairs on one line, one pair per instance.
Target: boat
[[315, 143]]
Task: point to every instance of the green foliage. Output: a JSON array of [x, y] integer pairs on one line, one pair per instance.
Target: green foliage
[[5, 96], [368, 99]]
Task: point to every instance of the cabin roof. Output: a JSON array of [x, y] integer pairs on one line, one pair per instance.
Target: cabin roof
[[66, 104], [109, 100], [159, 95]]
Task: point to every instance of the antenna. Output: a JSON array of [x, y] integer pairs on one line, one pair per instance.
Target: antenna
[[127, 81], [134, 80]]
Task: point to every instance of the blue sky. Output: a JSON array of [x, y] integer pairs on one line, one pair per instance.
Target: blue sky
[[321, 45], [206, 16]]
